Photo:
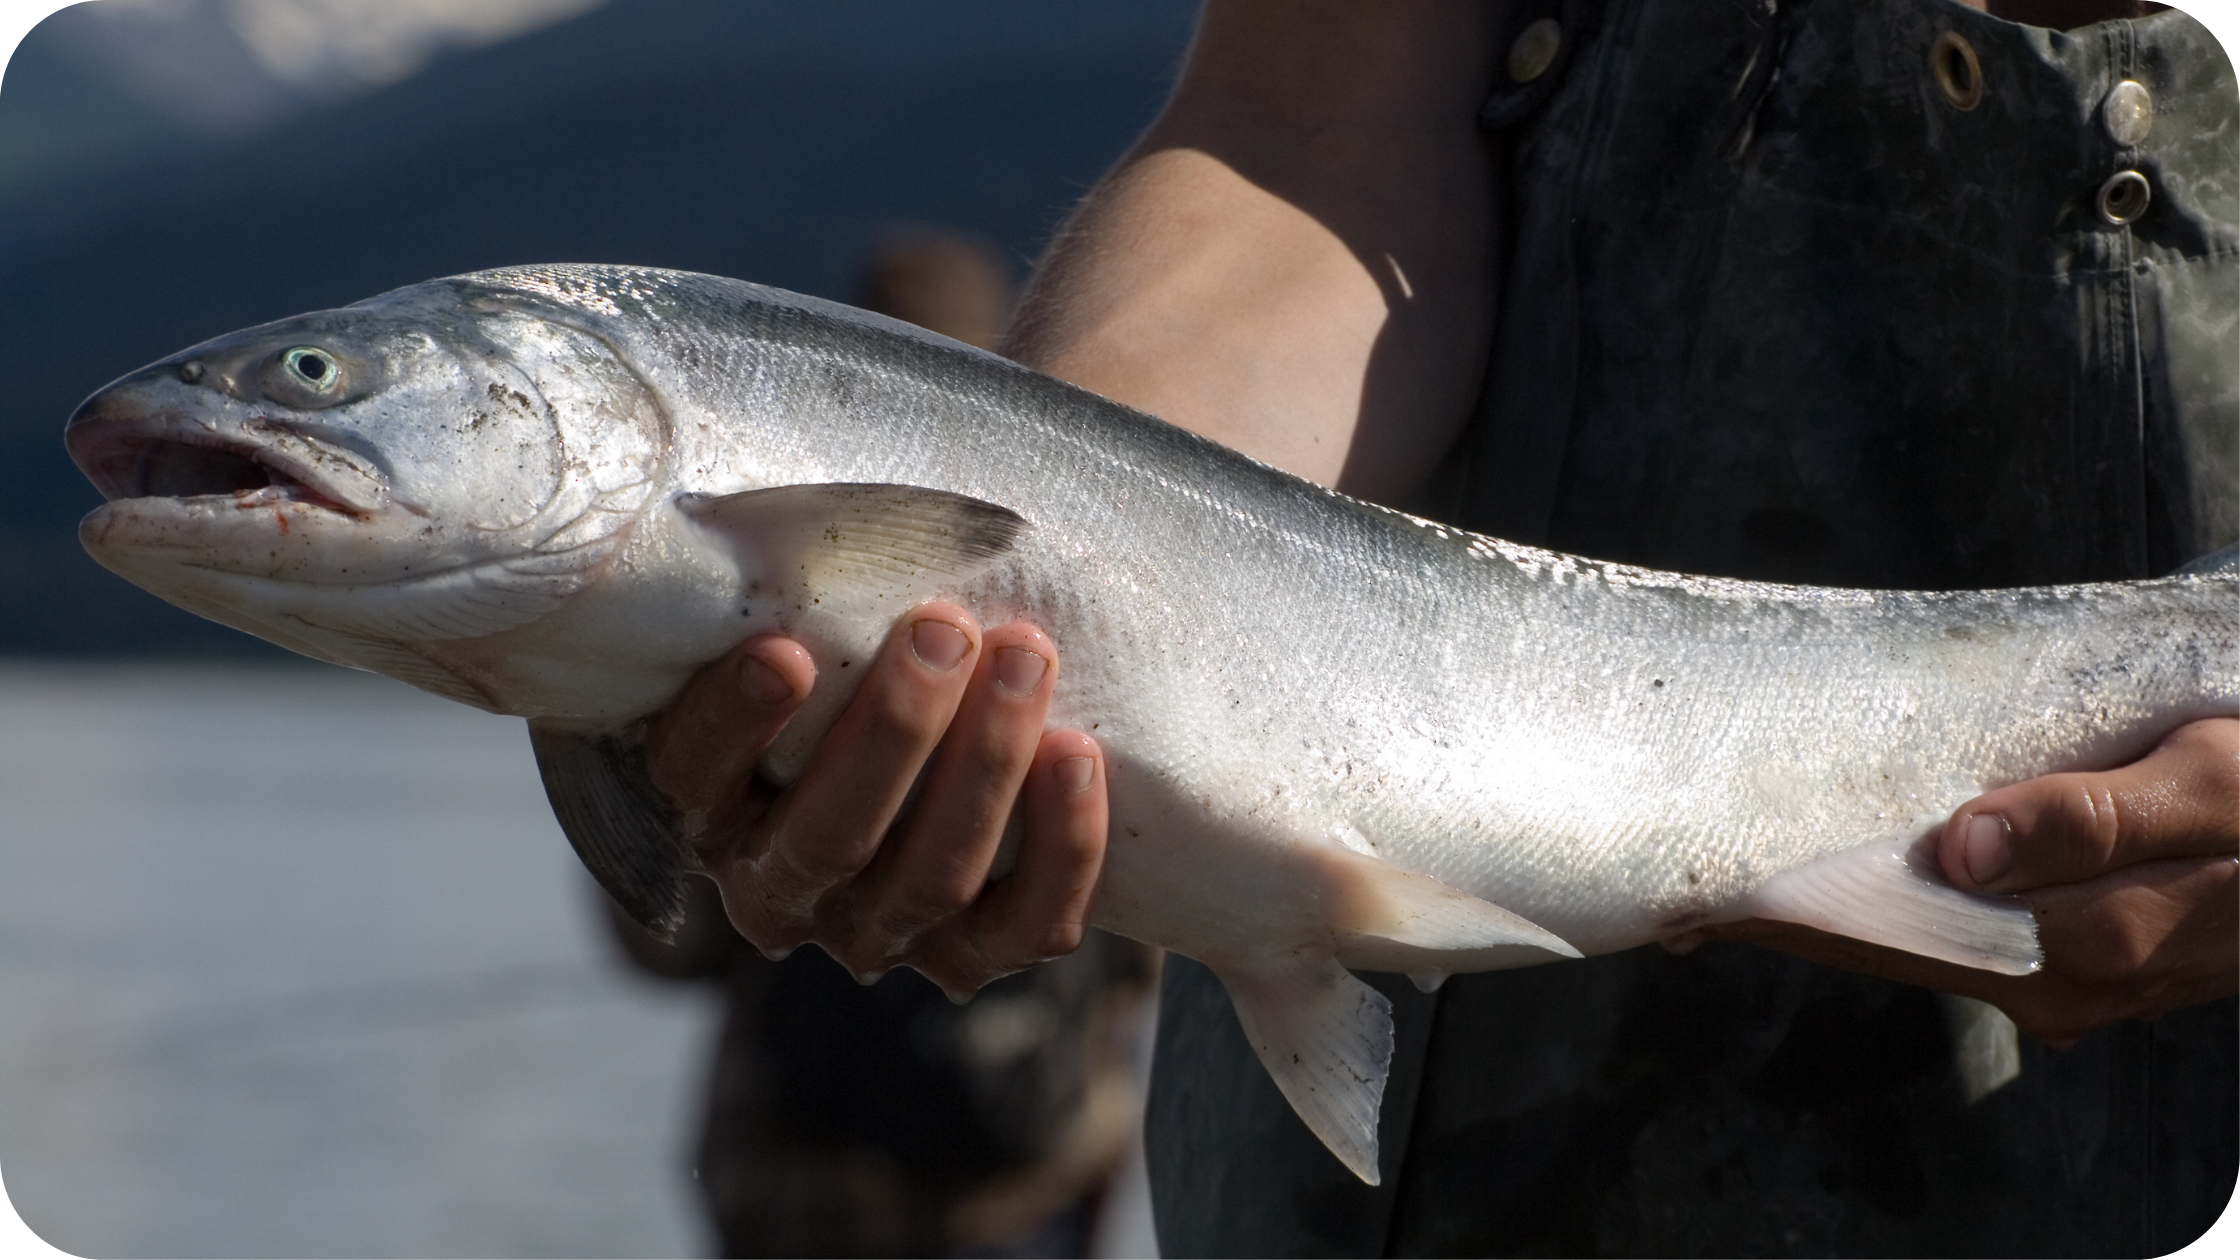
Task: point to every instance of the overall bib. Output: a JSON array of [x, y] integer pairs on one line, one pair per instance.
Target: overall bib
[[1875, 293]]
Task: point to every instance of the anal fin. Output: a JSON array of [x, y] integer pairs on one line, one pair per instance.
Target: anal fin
[[1883, 893], [621, 825], [1326, 1038]]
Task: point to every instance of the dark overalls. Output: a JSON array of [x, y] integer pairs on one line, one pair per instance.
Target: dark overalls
[[1880, 293]]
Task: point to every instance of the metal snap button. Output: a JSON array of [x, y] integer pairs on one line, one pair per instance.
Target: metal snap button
[[1952, 61], [1535, 50], [2128, 113], [2124, 197]]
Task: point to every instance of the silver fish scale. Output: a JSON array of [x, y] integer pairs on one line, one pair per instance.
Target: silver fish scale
[[1595, 747], [1581, 756]]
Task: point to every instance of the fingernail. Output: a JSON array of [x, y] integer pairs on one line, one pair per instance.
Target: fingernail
[[1990, 848], [869, 978], [939, 644], [958, 996], [765, 684], [1019, 671], [775, 954], [1074, 773]]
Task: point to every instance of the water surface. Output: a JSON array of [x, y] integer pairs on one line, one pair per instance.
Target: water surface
[[294, 961]]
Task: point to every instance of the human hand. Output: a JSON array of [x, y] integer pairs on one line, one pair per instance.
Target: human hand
[[2132, 875], [826, 860]]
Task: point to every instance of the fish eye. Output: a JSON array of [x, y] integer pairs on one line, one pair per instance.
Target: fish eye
[[312, 368]]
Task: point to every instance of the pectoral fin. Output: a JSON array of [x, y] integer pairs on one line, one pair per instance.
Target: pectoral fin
[[622, 826], [862, 544], [1326, 1038], [1883, 893]]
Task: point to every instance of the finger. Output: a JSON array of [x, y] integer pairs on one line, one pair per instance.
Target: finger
[[2156, 934], [1041, 909], [2177, 801], [829, 824], [706, 742], [938, 862]]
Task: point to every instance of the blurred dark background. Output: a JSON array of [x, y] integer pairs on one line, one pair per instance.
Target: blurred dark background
[[174, 170]]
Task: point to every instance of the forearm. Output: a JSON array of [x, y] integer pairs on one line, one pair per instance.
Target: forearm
[[1296, 259]]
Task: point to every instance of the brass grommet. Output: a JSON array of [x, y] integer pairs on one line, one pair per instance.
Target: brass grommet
[[1535, 50], [1952, 61], [2124, 197]]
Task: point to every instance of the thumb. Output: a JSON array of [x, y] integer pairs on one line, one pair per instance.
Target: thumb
[[2177, 801]]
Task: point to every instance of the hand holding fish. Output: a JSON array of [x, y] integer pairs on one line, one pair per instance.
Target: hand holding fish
[[2131, 873], [827, 861]]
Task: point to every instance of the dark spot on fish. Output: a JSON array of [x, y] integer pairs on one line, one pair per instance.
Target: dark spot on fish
[[1131, 831], [1294, 1058], [845, 664], [1656, 682], [1694, 878]]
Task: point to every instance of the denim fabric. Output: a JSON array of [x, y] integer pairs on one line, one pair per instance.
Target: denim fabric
[[1778, 308]]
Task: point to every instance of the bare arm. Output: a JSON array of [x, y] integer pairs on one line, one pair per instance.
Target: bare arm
[[1296, 260], [1293, 261]]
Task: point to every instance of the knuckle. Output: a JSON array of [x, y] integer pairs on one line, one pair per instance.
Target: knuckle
[[908, 720], [1023, 944], [860, 956], [2085, 811], [1056, 940], [2216, 772], [1004, 750], [956, 968], [803, 865], [2108, 955], [762, 930], [908, 914]]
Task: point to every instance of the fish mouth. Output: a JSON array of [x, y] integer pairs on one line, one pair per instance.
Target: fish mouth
[[254, 462]]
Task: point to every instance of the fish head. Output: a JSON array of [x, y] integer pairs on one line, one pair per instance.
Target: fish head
[[417, 468]]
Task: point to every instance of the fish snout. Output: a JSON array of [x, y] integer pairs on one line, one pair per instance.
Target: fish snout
[[153, 436]]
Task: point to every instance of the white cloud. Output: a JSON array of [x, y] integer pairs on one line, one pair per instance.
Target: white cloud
[[357, 44]]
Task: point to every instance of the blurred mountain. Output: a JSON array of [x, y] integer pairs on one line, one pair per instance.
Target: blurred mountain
[[754, 138]]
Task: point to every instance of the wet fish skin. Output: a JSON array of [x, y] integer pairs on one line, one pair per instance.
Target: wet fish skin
[[1335, 735]]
